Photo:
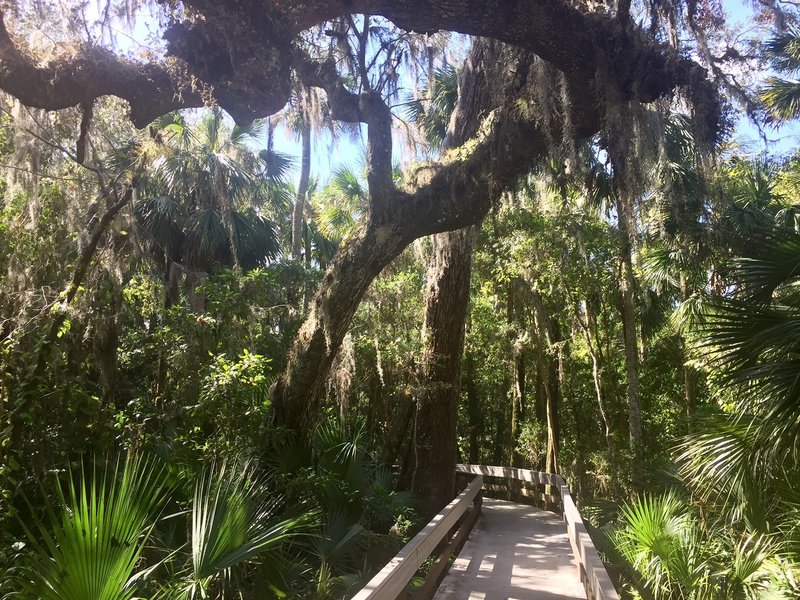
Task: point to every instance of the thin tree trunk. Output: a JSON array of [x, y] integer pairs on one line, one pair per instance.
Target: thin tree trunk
[[398, 427], [171, 297], [689, 372], [227, 219], [547, 335], [106, 342], [517, 367], [298, 214], [518, 407], [588, 326], [627, 285], [500, 422], [553, 400], [81, 268], [595, 353]]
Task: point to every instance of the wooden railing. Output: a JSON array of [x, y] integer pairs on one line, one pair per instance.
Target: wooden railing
[[518, 485], [390, 583], [593, 572]]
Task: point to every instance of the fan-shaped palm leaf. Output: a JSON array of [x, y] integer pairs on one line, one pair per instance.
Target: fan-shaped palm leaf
[[92, 545], [235, 522], [725, 465], [256, 239], [782, 96], [660, 540], [162, 219]]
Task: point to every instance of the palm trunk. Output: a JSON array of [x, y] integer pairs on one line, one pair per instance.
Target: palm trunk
[[171, 296], [298, 214], [689, 372], [226, 206]]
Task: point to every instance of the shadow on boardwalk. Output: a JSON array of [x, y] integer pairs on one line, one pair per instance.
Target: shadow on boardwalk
[[515, 552]]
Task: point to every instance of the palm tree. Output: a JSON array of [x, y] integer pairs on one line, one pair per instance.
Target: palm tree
[[676, 252], [340, 205], [743, 466], [432, 114], [211, 207], [104, 536], [667, 554], [781, 96]]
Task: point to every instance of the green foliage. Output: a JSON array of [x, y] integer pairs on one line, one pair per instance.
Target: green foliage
[[91, 542], [108, 534], [235, 522], [340, 205], [781, 96], [432, 114], [202, 197], [668, 554]]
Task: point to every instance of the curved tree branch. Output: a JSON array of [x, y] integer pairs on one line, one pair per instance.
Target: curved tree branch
[[241, 52], [151, 89]]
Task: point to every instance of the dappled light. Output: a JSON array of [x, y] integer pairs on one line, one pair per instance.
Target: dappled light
[[392, 299]]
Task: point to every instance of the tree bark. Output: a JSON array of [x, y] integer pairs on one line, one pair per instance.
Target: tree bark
[[447, 196], [446, 299], [518, 405], [689, 372], [627, 284], [398, 427], [242, 54], [547, 335], [297, 393], [444, 196], [248, 74]]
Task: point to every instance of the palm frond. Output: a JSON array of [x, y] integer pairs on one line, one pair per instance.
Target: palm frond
[[235, 521], [256, 240], [92, 543], [783, 50], [725, 465], [162, 219], [781, 97]]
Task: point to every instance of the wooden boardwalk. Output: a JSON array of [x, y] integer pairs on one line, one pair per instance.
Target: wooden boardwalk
[[515, 552]]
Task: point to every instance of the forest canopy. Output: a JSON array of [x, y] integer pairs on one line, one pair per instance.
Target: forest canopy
[[270, 269]]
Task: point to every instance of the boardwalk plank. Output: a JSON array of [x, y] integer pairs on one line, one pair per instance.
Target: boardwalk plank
[[515, 552]]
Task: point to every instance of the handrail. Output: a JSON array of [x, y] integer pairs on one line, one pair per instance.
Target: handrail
[[593, 571], [390, 582]]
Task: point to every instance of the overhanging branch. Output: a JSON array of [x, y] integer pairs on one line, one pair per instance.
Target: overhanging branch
[[92, 72]]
